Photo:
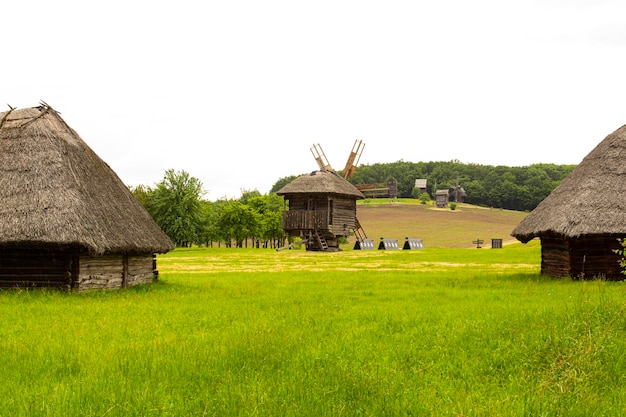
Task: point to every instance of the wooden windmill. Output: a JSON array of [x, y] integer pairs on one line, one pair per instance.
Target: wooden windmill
[[322, 205]]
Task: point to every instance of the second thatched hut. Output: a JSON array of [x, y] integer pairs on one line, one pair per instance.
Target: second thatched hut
[[580, 222]]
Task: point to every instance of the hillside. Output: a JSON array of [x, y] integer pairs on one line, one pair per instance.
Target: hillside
[[436, 227]]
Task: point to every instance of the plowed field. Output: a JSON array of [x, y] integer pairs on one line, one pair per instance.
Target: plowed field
[[437, 227]]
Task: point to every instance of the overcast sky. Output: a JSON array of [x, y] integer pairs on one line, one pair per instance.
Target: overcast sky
[[236, 92]]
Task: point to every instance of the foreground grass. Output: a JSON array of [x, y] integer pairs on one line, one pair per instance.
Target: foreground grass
[[254, 332]]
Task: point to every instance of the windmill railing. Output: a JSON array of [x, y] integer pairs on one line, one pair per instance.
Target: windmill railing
[[305, 220]]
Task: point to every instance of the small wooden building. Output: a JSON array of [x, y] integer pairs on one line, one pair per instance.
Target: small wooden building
[[580, 221], [66, 219], [441, 198], [421, 184], [321, 209]]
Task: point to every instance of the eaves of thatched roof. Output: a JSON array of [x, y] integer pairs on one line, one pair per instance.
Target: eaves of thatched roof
[[55, 191], [590, 201], [321, 182]]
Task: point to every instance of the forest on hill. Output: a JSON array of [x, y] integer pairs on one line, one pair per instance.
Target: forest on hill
[[513, 188]]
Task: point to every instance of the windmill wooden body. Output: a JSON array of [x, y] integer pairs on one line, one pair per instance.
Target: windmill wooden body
[[322, 204]]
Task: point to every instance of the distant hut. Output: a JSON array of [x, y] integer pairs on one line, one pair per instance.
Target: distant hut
[[66, 219], [580, 221], [421, 183], [322, 208]]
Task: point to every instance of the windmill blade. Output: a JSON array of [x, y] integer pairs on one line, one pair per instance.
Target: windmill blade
[[353, 159], [320, 158]]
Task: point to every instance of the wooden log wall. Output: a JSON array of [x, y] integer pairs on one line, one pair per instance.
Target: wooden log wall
[[115, 271], [555, 257], [140, 270], [101, 272], [35, 268], [582, 258], [343, 222]]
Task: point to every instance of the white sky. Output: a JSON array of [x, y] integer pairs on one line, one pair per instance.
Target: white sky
[[236, 92]]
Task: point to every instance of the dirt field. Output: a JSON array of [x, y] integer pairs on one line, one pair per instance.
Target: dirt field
[[437, 227]]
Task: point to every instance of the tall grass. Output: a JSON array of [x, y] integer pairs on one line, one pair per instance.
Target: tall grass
[[295, 333]]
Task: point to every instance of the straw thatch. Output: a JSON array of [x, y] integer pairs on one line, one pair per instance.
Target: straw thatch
[[56, 192], [321, 182], [588, 202]]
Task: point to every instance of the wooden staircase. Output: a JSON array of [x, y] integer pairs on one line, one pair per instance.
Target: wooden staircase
[[321, 241]]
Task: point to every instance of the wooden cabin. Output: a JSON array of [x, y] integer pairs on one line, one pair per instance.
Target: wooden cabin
[[580, 221], [321, 209], [66, 219]]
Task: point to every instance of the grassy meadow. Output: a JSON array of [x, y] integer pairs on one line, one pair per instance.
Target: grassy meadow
[[255, 332], [436, 332]]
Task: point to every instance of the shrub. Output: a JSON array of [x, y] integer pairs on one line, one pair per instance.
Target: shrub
[[622, 253]]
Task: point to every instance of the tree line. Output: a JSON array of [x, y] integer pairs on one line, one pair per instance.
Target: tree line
[[176, 203], [513, 188]]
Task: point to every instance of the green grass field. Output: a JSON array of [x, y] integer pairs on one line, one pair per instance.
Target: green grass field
[[253, 332]]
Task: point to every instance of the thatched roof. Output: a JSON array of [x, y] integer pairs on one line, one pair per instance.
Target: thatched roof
[[321, 182], [55, 191], [589, 201]]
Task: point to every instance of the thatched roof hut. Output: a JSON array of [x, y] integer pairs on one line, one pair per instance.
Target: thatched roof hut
[[580, 221], [62, 204], [322, 208]]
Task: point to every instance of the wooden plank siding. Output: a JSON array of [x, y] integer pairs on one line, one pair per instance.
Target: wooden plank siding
[[339, 219], [581, 258], [343, 222], [305, 220]]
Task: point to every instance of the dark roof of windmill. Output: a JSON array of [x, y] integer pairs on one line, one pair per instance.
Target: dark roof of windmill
[[589, 201], [56, 191], [321, 182]]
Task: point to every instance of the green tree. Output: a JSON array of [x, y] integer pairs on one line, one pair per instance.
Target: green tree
[[209, 231], [143, 194], [237, 222], [270, 208], [176, 207]]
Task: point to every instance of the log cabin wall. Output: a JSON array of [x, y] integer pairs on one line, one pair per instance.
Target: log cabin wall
[[114, 271], [101, 272], [67, 269], [585, 257], [320, 212], [555, 257], [22, 267], [141, 270], [343, 216], [593, 257]]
